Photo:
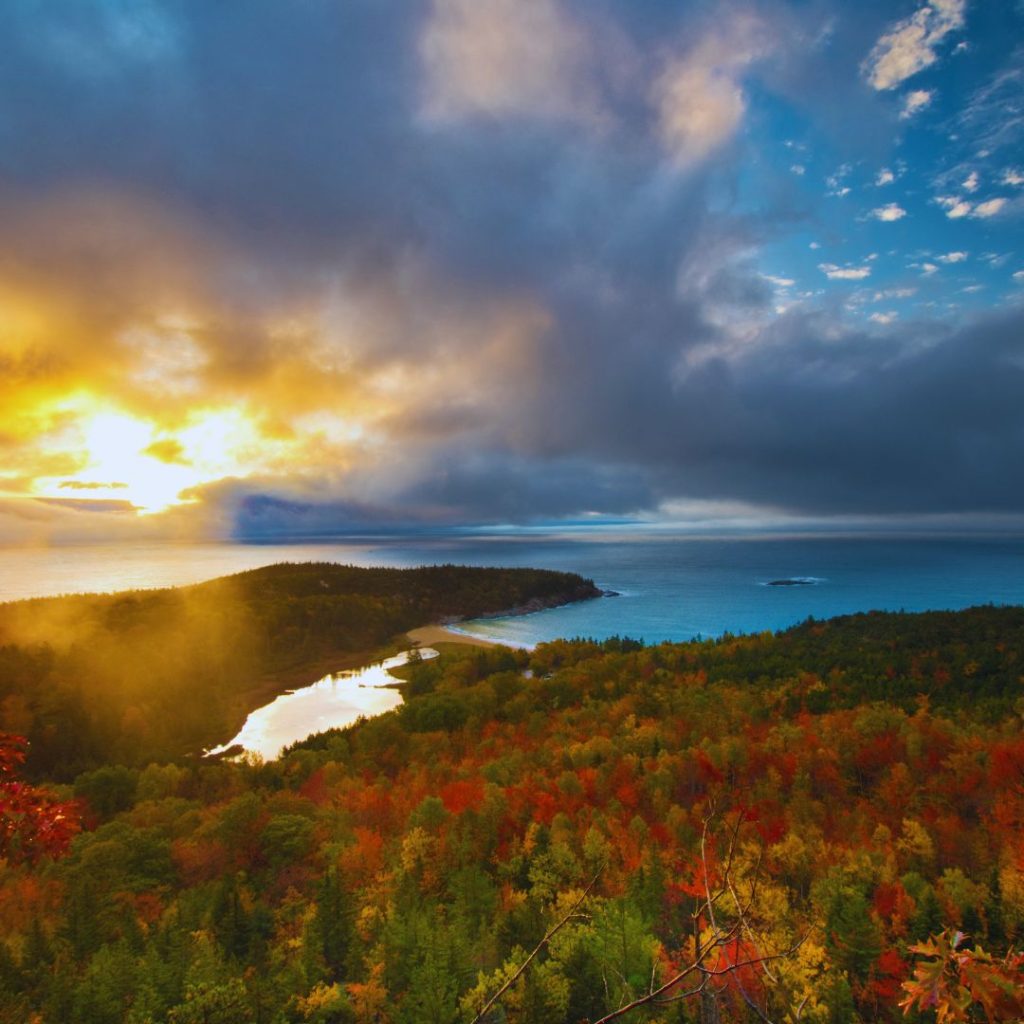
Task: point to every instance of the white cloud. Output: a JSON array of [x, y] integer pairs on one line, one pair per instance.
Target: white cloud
[[954, 206], [972, 288], [889, 212], [836, 273], [840, 192], [915, 101], [503, 57], [952, 257], [700, 98], [885, 177], [894, 293], [884, 318], [970, 183], [814, 245], [799, 170], [779, 282], [838, 174], [1013, 176], [1018, 276], [927, 269], [989, 208], [909, 46]]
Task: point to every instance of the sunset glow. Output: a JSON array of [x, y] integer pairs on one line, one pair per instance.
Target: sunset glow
[[634, 389], [126, 459], [480, 262]]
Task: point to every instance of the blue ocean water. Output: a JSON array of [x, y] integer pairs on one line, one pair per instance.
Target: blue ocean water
[[671, 587], [677, 589]]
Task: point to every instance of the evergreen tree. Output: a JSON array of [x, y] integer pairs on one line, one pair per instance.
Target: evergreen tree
[[852, 932], [333, 923]]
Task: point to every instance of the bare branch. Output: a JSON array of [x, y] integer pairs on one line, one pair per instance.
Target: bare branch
[[720, 937], [569, 916]]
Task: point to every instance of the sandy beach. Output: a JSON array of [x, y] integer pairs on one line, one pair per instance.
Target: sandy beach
[[427, 636]]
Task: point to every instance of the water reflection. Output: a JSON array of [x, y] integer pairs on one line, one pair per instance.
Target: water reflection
[[332, 702]]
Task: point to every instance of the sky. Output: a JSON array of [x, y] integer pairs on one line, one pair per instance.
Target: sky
[[335, 266]]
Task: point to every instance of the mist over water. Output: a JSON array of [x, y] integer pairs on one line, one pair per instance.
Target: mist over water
[[670, 587]]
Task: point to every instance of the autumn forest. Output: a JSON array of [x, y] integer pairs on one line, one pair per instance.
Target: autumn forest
[[819, 825]]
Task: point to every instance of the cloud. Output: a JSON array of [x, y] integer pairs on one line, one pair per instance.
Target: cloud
[[989, 208], [952, 257], [884, 318], [79, 485], [100, 505], [910, 45], [889, 212], [502, 58], [835, 182], [167, 450], [970, 183], [916, 101], [954, 206], [837, 273], [885, 177], [699, 96], [990, 117], [449, 292], [927, 269], [1012, 176]]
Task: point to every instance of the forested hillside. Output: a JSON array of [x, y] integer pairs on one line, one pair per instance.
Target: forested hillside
[[152, 675], [779, 820]]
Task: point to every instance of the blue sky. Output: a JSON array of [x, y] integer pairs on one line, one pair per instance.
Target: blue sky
[[283, 269], [912, 204]]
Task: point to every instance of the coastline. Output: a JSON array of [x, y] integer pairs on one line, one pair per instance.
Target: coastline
[[427, 636], [448, 633], [270, 688]]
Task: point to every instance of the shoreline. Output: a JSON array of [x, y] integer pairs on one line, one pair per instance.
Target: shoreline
[[269, 689], [427, 636]]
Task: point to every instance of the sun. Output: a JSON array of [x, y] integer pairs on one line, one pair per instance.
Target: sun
[[128, 459], [125, 462]]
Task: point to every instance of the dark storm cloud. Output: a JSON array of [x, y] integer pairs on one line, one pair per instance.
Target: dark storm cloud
[[853, 424], [651, 368]]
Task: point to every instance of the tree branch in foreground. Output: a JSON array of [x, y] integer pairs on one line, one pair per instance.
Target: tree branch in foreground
[[564, 920], [669, 992]]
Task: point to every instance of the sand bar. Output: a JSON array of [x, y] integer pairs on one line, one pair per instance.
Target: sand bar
[[427, 636]]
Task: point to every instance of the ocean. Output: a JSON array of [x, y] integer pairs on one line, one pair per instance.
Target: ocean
[[669, 587]]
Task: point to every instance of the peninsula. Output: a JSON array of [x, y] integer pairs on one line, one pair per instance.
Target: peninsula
[[154, 675]]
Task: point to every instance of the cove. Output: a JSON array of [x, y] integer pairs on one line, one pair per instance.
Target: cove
[[333, 702]]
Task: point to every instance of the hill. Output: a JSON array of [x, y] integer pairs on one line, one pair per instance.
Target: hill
[[156, 675]]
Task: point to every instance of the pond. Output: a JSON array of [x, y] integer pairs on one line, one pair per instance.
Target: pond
[[333, 702]]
